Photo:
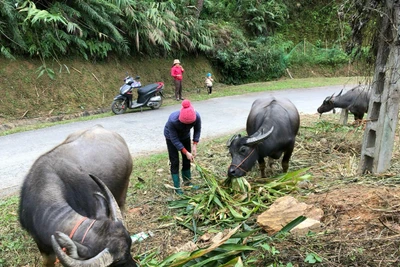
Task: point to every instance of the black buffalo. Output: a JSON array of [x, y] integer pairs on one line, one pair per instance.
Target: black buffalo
[[72, 197], [355, 100], [272, 126]]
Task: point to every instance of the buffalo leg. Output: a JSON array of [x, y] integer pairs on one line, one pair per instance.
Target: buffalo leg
[[261, 163], [286, 158], [272, 162]]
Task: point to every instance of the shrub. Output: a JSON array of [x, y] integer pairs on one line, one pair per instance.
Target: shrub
[[243, 62]]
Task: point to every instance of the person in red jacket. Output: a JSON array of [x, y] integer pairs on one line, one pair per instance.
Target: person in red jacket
[[177, 73]]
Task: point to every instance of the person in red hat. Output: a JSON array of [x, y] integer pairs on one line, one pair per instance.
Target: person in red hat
[[177, 73], [177, 135]]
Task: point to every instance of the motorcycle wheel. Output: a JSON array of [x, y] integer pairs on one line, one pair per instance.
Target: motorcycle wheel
[[158, 105], [119, 106]]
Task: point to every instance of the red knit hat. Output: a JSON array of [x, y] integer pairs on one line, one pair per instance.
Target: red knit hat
[[187, 114]]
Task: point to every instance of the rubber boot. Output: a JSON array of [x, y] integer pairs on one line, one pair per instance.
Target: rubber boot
[[187, 177], [177, 184]]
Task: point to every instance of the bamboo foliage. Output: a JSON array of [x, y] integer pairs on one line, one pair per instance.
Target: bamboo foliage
[[95, 28], [11, 37], [156, 25], [235, 35]]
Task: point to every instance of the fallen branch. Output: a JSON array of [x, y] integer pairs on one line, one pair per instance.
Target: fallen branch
[[76, 70], [290, 75], [96, 78], [387, 227], [26, 112], [365, 239]]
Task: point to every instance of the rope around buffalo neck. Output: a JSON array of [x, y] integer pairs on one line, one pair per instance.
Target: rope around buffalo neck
[[87, 230], [238, 166], [71, 235], [77, 226]]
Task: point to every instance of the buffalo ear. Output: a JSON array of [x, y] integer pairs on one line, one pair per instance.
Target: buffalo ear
[[259, 136], [329, 98], [62, 240], [114, 211], [229, 142], [104, 258], [102, 209]]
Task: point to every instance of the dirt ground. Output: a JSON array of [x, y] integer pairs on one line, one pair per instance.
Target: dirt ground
[[360, 226]]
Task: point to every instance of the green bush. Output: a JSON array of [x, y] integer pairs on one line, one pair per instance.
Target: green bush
[[250, 62]]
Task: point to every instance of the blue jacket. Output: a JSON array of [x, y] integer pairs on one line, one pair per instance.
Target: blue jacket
[[176, 131]]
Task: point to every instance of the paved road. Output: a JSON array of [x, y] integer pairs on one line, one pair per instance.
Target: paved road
[[143, 131]]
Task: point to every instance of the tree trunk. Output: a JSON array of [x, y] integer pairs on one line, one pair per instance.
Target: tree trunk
[[383, 108], [199, 7]]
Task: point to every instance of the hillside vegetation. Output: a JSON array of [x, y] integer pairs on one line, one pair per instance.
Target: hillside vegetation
[[88, 88], [64, 57], [82, 85]]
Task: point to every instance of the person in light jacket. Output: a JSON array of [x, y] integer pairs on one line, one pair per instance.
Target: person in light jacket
[[209, 83]]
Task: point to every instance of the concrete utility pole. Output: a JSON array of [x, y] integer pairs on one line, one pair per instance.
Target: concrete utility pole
[[383, 108]]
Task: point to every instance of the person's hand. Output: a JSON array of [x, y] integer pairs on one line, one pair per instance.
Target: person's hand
[[194, 150], [189, 156]]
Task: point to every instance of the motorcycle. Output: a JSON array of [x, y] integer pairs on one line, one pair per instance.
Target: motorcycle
[[149, 95]]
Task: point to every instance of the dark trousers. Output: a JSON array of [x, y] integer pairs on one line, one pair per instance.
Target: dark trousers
[[178, 89], [173, 155], [209, 89]]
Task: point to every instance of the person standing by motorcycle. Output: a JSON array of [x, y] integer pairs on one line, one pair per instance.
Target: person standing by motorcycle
[[177, 73], [177, 135]]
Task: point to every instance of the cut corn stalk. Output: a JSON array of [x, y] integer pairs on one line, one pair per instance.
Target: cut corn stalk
[[219, 205], [236, 262], [226, 250], [180, 258]]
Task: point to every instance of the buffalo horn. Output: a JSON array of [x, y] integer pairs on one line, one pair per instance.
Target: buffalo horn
[[103, 259], [340, 93], [259, 137], [115, 212]]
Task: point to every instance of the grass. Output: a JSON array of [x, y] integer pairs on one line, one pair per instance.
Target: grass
[[41, 125], [219, 91], [15, 244], [352, 205]]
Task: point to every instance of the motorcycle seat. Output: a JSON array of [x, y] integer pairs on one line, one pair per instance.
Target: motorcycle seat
[[145, 89]]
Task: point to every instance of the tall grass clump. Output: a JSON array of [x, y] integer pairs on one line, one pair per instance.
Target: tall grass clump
[[307, 53]]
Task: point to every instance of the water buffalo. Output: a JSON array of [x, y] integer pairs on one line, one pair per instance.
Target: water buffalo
[[72, 197], [355, 100], [272, 126]]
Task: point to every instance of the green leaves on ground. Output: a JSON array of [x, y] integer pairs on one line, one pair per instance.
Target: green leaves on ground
[[234, 201], [219, 207]]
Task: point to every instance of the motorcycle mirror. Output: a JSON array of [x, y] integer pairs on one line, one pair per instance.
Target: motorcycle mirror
[[137, 77]]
